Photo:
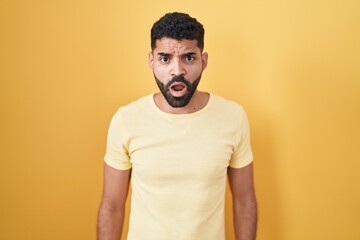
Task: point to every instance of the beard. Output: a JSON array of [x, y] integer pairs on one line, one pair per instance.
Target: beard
[[178, 102]]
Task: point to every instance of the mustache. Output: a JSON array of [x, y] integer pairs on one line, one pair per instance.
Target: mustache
[[178, 78]]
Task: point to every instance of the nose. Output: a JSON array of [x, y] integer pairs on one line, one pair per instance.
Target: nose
[[178, 68]]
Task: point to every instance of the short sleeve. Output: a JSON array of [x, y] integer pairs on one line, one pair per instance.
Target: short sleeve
[[242, 155], [117, 155]]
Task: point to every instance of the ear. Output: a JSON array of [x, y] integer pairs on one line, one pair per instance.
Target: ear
[[151, 60], [204, 60]]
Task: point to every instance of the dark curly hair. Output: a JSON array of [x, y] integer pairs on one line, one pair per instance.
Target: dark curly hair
[[178, 26]]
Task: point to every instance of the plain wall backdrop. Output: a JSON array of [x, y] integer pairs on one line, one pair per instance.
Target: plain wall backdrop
[[66, 66]]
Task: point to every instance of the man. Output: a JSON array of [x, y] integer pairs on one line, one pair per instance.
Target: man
[[179, 145]]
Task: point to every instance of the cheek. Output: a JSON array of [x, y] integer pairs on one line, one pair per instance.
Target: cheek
[[195, 72], [159, 69], [159, 74]]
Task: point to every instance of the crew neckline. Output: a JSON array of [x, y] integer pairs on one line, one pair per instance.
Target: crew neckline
[[180, 115]]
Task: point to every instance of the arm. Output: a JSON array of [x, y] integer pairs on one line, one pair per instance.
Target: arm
[[244, 202], [112, 208]]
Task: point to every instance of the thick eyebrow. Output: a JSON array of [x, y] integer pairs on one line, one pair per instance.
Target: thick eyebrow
[[164, 54], [189, 54]]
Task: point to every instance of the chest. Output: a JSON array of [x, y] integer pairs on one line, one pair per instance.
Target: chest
[[181, 150]]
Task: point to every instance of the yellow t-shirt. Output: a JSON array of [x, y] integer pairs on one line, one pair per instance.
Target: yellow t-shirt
[[179, 165]]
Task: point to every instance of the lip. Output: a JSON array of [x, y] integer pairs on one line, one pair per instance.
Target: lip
[[180, 93]]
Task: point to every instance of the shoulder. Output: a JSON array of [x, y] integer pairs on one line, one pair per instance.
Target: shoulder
[[136, 106], [225, 106], [133, 110]]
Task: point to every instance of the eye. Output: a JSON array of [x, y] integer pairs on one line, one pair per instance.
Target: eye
[[189, 58], [164, 59]]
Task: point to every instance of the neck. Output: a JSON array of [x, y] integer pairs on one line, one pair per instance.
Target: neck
[[197, 102]]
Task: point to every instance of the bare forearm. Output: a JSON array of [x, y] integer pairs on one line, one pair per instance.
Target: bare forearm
[[245, 220], [110, 223]]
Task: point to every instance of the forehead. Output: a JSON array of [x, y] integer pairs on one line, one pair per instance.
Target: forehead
[[172, 45]]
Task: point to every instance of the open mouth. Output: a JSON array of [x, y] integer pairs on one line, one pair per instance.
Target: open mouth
[[178, 89]]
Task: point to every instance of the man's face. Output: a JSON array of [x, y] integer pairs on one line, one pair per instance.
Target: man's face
[[177, 67]]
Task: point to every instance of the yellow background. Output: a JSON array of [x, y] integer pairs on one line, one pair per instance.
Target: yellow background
[[66, 66]]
